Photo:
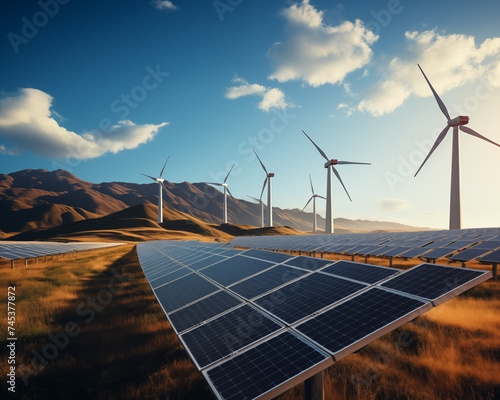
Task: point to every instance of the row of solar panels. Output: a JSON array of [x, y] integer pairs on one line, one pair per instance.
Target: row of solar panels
[[258, 322], [458, 245], [15, 250]]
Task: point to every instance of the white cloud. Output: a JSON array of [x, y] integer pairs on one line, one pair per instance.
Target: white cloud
[[27, 121], [271, 97], [165, 5], [449, 61], [392, 204], [318, 53]]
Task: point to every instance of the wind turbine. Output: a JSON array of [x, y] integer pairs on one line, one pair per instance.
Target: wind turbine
[[161, 186], [313, 198], [329, 199], [226, 190], [261, 209], [457, 123], [269, 192]]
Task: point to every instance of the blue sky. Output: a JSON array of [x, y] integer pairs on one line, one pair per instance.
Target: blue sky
[[108, 89]]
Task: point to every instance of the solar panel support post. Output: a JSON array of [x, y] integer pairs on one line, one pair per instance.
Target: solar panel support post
[[12, 264], [390, 261], [313, 387], [26, 262], [352, 257], [464, 265], [494, 270], [366, 259]]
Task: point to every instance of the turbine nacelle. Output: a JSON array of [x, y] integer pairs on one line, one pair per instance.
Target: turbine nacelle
[[224, 184], [331, 162], [159, 180], [270, 175], [461, 120]]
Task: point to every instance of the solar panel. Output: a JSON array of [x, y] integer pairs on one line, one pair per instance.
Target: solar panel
[[360, 272], [203, 310], [309, 263], [226, 334], [235, 269], [183, 291], [306, 296], [438, 253], [493, 257], [469, 254], [266, 281], [360, 320], [268, 369], [206, 262], [267, 255], [169, 277], [436, 283]]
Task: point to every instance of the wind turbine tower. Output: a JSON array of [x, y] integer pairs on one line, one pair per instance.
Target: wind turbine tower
[[161, 187]]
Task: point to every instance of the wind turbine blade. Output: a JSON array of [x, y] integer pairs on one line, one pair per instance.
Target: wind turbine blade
[[149, 177], [164, 187], [253, 198], [227, 176], [263, 187], [315, 145], [474, 133], [436, 144], [321, 197], [351, 162], [310, 180], [235, 202], [261, 163], [161, 173], [307, 203], [338, 176], [439, 101], [212, 183]]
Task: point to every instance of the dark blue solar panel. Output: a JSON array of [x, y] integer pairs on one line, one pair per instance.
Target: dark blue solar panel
[[267, 255], [360, 272], [469, 254], [169, 277], [306, 296], [357, 318], [416, 252], [432, 281], [266, 281], [206, 262], [183, 291], [493, 257], [202, 310], [264, 367], [235, 269], [309, 263], [227, 333], [438, 253]]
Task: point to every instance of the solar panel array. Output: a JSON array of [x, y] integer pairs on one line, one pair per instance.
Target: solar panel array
[[458, 245], [15, 250], [257, 323]]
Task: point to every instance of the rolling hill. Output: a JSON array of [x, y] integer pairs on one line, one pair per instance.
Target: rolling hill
[[41, 199]]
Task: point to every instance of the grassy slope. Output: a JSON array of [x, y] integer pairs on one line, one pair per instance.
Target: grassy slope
[[129, 351]]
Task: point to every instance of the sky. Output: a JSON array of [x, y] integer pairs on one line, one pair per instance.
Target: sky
[[109, 89]]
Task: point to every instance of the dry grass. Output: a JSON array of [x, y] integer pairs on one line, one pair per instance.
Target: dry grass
[[129, 351]]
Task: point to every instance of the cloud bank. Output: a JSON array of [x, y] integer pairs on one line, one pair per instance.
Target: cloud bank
[[27, 121], [271, 97]]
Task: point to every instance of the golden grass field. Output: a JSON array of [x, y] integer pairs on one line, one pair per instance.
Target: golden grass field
[[127, 349]]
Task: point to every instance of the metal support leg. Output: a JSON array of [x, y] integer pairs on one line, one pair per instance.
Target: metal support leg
[[352, 257], [313, 387], [463, 264], [366, 259], [26, 262], [12, 264], [494, 270]]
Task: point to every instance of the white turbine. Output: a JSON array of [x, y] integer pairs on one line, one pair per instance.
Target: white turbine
[[226, 191], [313, 198], [457, 123], [267, 181], [161, 186], [261, 209], [329, 199]]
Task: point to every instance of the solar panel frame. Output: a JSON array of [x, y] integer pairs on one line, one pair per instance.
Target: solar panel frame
[[378, 273], [361, 342], [286, 384], [392, 283]]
